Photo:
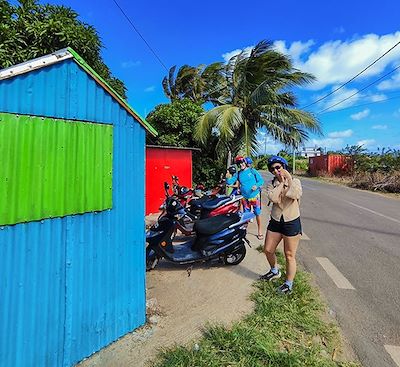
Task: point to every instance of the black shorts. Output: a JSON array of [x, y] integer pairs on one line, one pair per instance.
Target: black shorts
[[289, 229]]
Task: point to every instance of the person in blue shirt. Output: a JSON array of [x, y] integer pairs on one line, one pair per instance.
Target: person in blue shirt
[[231, 181], [250, 183]]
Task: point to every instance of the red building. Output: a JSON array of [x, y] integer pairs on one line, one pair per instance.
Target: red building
[[161, 164], [330, 163]]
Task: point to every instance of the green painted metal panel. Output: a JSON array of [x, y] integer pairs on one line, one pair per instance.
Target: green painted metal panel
[[53, 168]]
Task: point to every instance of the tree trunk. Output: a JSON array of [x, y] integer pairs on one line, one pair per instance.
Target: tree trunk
[[228, 162]]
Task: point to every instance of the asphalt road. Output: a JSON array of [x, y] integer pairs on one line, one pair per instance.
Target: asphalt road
[[354, 253]]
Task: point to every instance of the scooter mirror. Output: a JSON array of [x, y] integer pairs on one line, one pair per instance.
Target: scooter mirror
[[166, 186]]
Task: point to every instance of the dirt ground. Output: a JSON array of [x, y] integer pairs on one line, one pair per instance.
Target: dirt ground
[[180, 305]]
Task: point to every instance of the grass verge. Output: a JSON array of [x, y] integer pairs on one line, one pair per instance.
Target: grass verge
[[282, 331]]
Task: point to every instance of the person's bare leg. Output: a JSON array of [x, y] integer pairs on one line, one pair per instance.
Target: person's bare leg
[[258, 220], [290, 247], [272, 240]]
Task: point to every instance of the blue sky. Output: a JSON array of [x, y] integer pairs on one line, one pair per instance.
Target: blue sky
[[334, 41]]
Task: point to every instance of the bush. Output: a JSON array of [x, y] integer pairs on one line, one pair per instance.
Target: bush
[[301, 163], [377, 181]]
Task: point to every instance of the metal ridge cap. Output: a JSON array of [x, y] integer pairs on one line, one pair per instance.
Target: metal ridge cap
[[35, 64]]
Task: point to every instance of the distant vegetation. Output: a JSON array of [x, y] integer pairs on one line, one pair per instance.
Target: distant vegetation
[[301, 163], [379, 171]]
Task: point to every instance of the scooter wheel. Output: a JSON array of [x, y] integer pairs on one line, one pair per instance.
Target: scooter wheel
[[235, 257]]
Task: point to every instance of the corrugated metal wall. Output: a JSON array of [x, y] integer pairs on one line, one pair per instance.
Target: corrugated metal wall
[[318, 164], [330, 163], [71, 285], [161, 164]]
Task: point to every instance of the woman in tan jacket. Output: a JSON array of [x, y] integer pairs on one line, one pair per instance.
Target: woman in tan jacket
[[284, 192]]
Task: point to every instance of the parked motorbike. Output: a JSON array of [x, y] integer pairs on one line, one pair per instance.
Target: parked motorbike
[[202, 208], [220, 238]]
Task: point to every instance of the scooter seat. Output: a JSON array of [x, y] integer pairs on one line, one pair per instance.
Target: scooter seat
[[215, 203], [209, 226], [198, 202]]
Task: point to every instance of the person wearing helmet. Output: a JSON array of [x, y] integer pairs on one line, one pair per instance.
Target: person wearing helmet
[[284, 192], [249, 161], [231, 180], [250, 183]]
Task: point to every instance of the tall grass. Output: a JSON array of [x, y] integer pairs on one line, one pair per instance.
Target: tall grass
[[282, 331]]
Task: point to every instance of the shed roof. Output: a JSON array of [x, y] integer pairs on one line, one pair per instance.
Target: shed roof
[[69, 53]]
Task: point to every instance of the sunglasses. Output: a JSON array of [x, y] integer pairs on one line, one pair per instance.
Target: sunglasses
[[275, 168], [240, 162]]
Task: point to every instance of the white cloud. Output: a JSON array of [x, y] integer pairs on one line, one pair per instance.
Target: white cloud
[[152, 88], [130, 64], [329, 143], [335, 62], [379, 127], [228, 55], [360, 115], [341, 134], [366, 142], [392, 83], [377, 97], [295, 50], [341, 95], [267, 145]]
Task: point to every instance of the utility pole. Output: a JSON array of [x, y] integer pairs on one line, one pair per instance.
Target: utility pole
[[294, 159], [265, 144]]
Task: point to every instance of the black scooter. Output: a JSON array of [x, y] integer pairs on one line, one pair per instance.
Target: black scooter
[[221, 238]]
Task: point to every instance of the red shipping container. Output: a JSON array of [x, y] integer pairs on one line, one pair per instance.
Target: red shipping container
[[331, 164], [161, 164]]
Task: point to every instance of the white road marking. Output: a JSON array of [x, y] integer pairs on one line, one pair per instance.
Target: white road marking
[[304, 237], [394, 352], [334, 273], [374, 212]]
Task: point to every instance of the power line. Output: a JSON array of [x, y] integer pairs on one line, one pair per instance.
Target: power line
[[141, 36], [367, 86], [354, 77], [360, 105]]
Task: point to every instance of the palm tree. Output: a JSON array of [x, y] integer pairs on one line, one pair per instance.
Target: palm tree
[[256, 92], [200, 84]]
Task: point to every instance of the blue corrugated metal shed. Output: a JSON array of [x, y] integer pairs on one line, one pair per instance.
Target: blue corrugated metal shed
[[69, 286]]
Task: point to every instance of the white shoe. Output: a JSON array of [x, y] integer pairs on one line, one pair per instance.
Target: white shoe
[[251, 220]]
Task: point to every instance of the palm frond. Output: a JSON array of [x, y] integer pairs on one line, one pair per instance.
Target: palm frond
[[171, 81], [229, 121], [206, 122]]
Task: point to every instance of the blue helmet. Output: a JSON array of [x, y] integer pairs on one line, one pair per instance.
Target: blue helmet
[[248, 160], [277, 159]]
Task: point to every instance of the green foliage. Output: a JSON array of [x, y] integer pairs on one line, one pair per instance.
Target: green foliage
[[31, 30], [282, 331], [383, 161], [175, 124], [301, 163], [199, 84], [255, 92]]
